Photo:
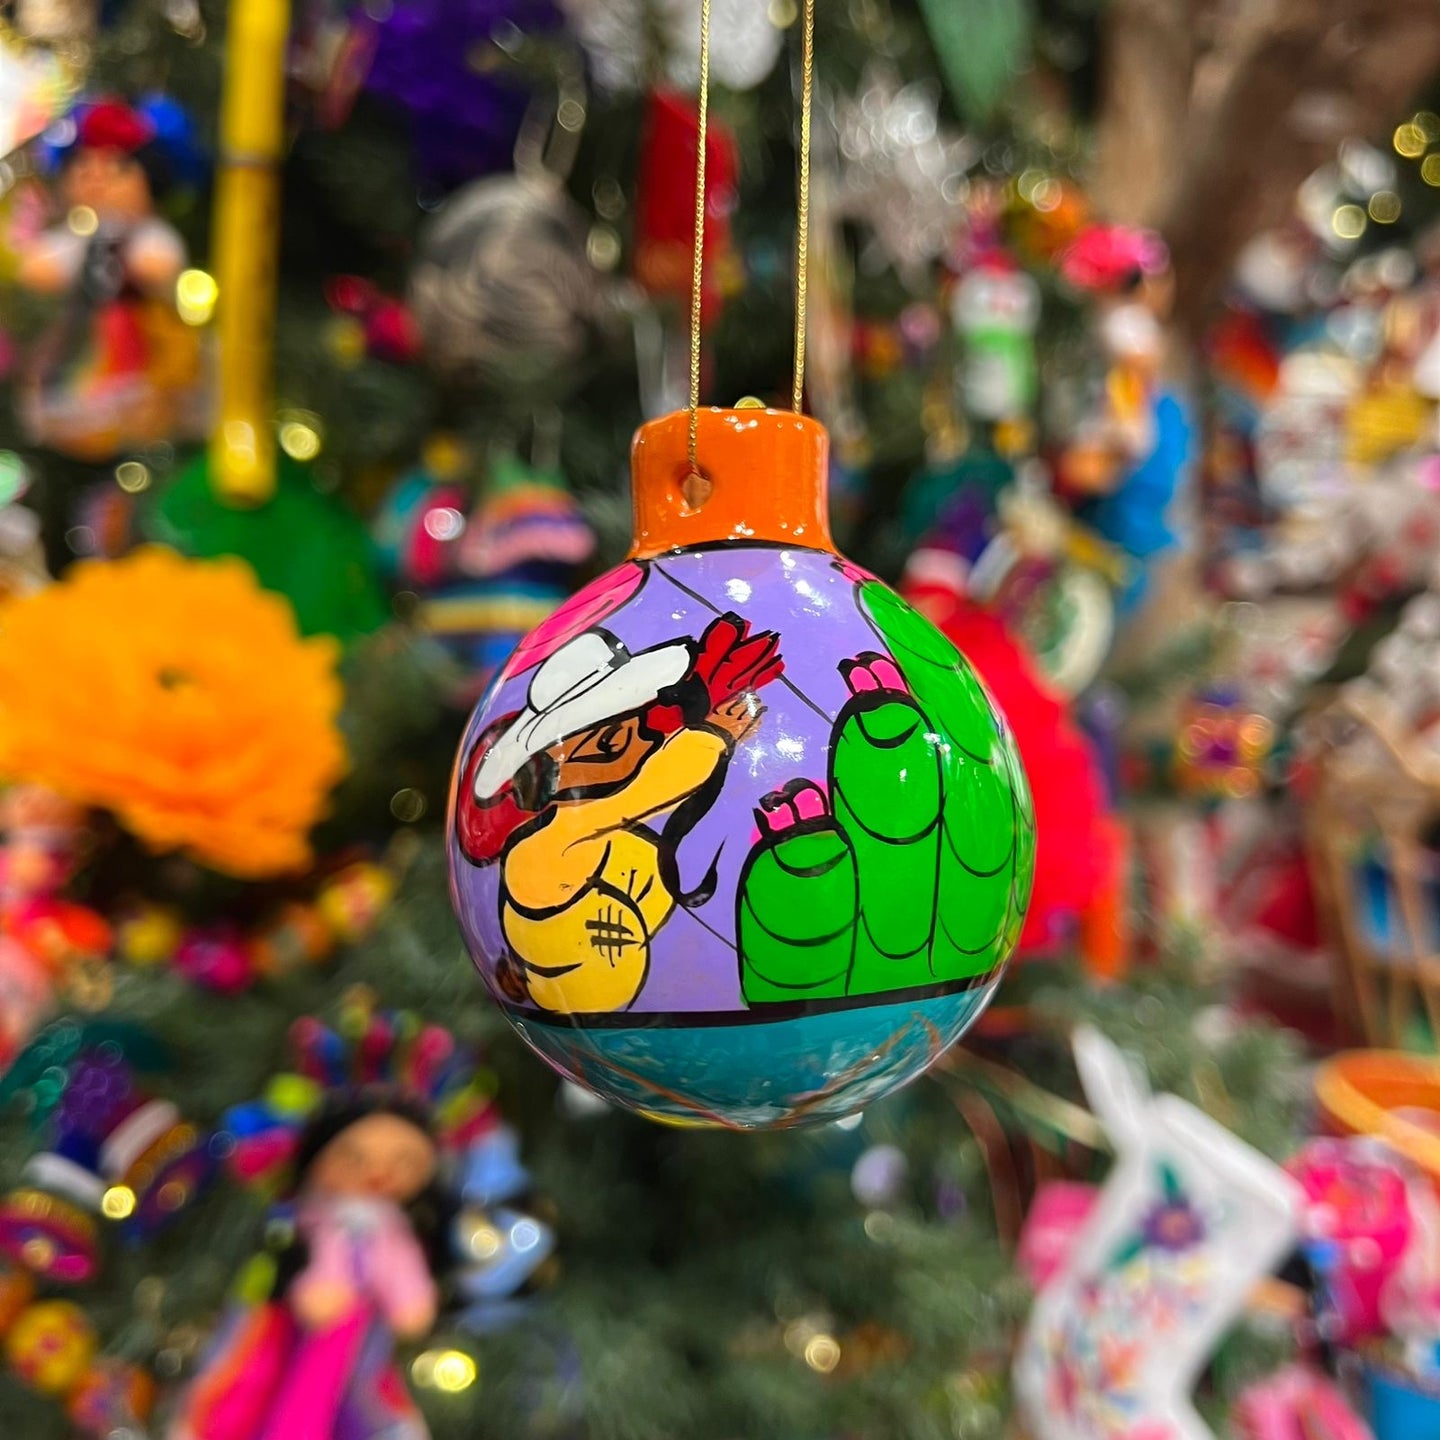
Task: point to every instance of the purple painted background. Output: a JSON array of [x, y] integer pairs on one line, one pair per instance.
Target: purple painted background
[[812, 604]]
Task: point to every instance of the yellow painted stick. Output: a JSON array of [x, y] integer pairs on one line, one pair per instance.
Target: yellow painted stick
[[247, 233]]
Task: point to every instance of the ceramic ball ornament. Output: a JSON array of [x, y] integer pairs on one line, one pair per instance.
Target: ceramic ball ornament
[[737, 837]]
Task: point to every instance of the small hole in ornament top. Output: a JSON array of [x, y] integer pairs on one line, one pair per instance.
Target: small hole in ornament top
[[695, 489]]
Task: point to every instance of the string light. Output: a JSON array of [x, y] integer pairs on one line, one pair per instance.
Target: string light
[[132, 477], [1430, 170], [1409, 141], [822, 1353], [196, 292], [1348, 222], [448, 1370], [83, 221], [1385, 207], [300, 436], [118, 1203]]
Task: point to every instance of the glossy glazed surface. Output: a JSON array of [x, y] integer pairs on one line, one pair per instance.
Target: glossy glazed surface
[[738, 838]]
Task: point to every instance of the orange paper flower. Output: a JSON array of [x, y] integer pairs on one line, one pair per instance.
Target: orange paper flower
[[179, 695]]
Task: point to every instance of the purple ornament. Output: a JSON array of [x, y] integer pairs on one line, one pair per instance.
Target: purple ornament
[[430, 59]]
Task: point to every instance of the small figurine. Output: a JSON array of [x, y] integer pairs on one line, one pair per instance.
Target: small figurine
[[120, 369], [406, 1182], [316, 1358]]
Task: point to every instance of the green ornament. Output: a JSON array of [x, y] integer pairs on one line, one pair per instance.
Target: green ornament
[[301, 544]]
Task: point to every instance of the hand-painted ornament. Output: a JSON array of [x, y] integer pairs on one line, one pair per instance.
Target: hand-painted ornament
[[737, 837]]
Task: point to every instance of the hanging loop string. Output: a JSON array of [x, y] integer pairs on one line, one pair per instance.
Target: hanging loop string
[[697, 278], [802, 227]]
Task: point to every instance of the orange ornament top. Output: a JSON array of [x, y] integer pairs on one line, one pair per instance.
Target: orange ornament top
[[763, 478]]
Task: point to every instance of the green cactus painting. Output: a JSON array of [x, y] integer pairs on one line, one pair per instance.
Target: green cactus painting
[[911, 866]]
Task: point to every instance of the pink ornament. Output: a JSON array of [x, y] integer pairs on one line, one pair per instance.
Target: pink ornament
[[215, 958], [1057, 1215]]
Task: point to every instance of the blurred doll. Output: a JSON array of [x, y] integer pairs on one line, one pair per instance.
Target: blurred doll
[[315, 1361], [119, 370]]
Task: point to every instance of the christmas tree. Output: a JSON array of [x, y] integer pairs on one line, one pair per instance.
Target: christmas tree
[[482, 217]]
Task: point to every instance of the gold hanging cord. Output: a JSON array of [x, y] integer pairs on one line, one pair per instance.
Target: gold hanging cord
[[802, 228], [802, 245], [697, 278]]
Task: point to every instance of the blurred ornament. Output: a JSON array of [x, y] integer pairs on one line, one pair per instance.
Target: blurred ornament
[[37, 85], [879, 1176], [120, 370], [111, 1396], [352, 901], [996, 309], [1113, 258], [331, 50], [983, 46], [44, 939], [448, 64], [1222, 746], [51, 1346], [388, 327], [665, 202], [704, 971], [234, 683], [1189, 1220], [501, 1247], [900, 172], [22, 556], [621, 38], [57, 22], [376, 1088], [502, 291], [329, 582]]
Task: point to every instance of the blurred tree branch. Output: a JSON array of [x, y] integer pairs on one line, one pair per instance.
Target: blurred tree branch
[[1214, 111]]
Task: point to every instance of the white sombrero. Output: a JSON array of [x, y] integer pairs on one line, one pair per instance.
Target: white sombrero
[[591, 678]]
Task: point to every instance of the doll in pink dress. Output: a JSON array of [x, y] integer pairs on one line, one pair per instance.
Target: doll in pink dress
[[315, 1362]]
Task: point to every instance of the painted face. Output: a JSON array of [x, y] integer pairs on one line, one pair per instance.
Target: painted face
[[113, 184], [382, 1157], [602, 759]]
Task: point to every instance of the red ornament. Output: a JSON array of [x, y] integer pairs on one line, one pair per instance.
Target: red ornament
[[665, 205]]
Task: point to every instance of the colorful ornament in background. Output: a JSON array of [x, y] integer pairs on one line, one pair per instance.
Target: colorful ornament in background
[[502, 290], [1222, 747], [690, 851], [22, 555], [630, 42], [205, 723], [444, 63], [1357, 1228], [665, 203], [386, 324], [1295, 1404], [503, 1250], [380, 1093], [518, 559], [292, 938], [37, 86], [1189, 1219], [329, 582], [113, 1150], [485, 581], [43, 938], [51, 1347], [900, 171], [419, 525], [996, 310], [120, 369]]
